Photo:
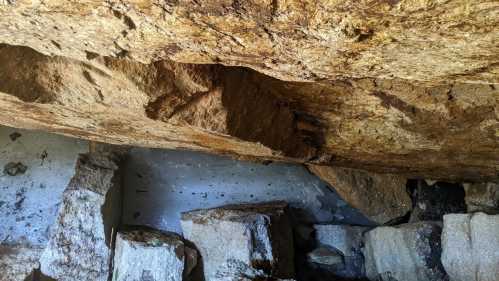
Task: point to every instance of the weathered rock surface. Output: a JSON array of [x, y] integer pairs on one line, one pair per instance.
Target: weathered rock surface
[[17, 262], [432, 202], [211, 108], [150, 255], [482, 197], [325, 256], [81, 240], [242, 242], [347, 241], [470, 247], [292, 40], [380, 197], [409, 252]]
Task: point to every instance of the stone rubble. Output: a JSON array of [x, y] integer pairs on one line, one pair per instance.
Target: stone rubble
[[482, 197], [408, 252], [81, 240], [251, 241], [151, 255], [432, 202], [470, 247]]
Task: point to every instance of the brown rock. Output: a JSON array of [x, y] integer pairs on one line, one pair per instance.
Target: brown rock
[[389, 126], [380, 197], [300, 40]]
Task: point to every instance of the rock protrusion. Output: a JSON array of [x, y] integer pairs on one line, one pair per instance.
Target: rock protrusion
[[242, 242], [151, 255], [380, 197], [409, 252], [470, 244], [81, 240]]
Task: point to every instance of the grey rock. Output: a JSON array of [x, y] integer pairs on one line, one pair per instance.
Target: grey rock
[[17, 262], [409, 252], [344, 238], [482, 197], [242, 241], [325, 256], [151, 255], [348, 241], [470, 244], [80, 243]]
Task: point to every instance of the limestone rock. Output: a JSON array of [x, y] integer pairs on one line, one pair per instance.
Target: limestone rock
[[470, 247], [409, 252], [380, 197], [81, 240], [242, 241], [384, 125], [346, 240], [292, 40], [482, 197], [432, 202], [17, 262], [150, 255]]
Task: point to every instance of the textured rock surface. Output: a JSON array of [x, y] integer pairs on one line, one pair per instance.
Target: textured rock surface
[[242, 241], [470, 243], [325, 256], [17, 262], [80, 244], [148, 255], [482, 197], [380, 197], [346, 240], [432, 202], [295, 40], [409, 252], [401, 86]]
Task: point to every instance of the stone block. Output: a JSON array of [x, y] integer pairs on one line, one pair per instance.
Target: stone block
[[409, 252], [80, 244], [250, 241]]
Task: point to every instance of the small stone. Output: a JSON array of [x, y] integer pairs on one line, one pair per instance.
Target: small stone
[[151, 255], [409, 252], [17, 262], [79, 245], [482, 197], [470, 244], [15, 168], [238, 242], [325, 256]]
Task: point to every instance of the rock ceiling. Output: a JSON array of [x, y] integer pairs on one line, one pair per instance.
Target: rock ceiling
[[408, 87]]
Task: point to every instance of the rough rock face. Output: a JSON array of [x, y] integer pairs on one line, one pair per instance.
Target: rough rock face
[[470, 243], [482, 197], [380, 197], [148, 255], [243, 242], [17, 262], [80, 244], [399, 86], [409, 252], [293, 40]]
